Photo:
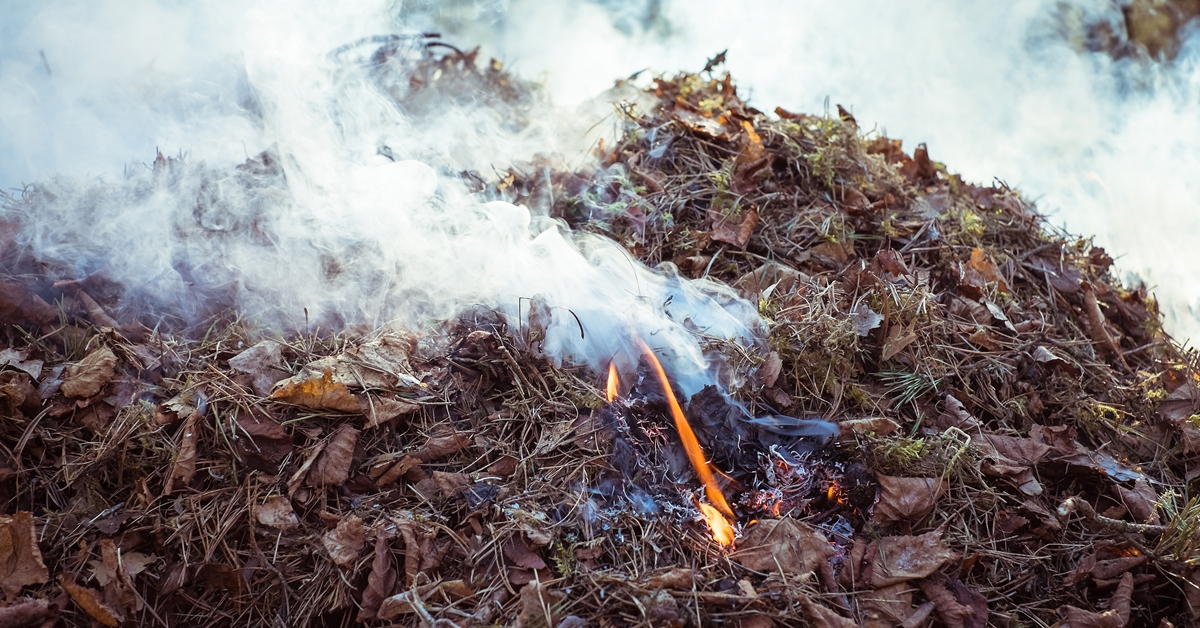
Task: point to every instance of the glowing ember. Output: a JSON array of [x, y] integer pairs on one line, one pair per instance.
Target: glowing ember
[[614, 382], [692, 446], [721, 530]]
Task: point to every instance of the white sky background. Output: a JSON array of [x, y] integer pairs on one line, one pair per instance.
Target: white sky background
[[980, 82]]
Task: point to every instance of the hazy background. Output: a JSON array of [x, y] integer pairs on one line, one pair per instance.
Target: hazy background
[[1109, 148]]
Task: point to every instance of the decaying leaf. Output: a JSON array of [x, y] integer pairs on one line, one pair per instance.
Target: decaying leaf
[[118, 589], [784, 545], [866, 319], [20, 559], [277, 512], [516, 550], [897, 340], [960, 608], [345, 542], [1117, 615], [317, 393], [907, 499], [980, 263], [823, 617], [260, 367], [1141, 500], [184, 467], [901, 558], [28, 613], [90, 601], [539, 606], [90, 375], [381, 582], [262, 442], [332, 467], [735, 228]]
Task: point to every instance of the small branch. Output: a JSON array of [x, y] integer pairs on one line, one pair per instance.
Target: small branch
[[1076, 504]]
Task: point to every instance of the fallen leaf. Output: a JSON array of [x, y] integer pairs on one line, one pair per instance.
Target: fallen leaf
[[784, 544], [20, 306], [91, 374], [865, 319], [901, 558], [332, 467], [299, 476], [823, 617], [118, 590], [20, 559], [897, 340], [906, 499], [887, 606], [18, 360], [17, 395], [521, 555], [28, 613], [262, 442], [771, 368], [1141, 501], [380, 409], [381, 582], [1117, 615], [317, 393], [277, 513], [673, 578], [772, 278], [539, 606], [345, 542], [89, 600], [880, 426], [440, 446], [221, 576], [962, 608], [984, 266], [183, 470], [260, 367], [736, 227]]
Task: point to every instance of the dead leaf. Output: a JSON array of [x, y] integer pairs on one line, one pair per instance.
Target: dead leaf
[[19, 305], [1117, 615], [381, 582], [865, 319], [823, 617], [962, 608], [539, 606], [317, 393], [28, 613], [89, 600], [20, 559], [784, 544], [184, 468], [698, 123], [907, 499], [86, 378], [298, 477], [674, 578], [277, 513], [260, 367], [345, 542], [521, 555], [19, 360], [771, 368], [380, 409], [1141, 501], [440, 446], [17, 395], [984, 266], [332, 467], [897, 340], [734, 228], [221, 576], [887, 606], [262, 442], [772, 278], [902, 558], [118, 590], [880, 426]]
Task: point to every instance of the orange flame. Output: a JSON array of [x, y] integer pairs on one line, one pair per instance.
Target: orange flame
[[696, 455], [721, 530], [614, 382]]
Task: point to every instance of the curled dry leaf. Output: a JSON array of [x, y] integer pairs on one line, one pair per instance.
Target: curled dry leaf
[[784, 544], [20, 559], [1141, 501], [277, 513], [823, 617], [345, 542], [118, 590], [90, 375], [89, 600], [736, 227], [906, 499], [332, 466], [184, 468], [521, 555], [318, 393], [381, 582], [539, 606], [1117, 615], [901, 558], [960, 608]]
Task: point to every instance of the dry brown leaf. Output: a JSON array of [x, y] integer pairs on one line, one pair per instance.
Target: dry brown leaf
[[442, 446], [784, 544], [89, 600], [823, 617], [986, 267], [21, 306], [771, 368], [277, 513], [897, 340], [262, 442], [539, 606], [183, 470], [381, 582], [28, 613], [880, 426], [907, 499], [260, 367], [332, 467], [92, 373], [20, 559], [901, 558], [960, 608], [956, 415], [673, 578], [887, 606], [521, 555], [736, 228], [772, 276], [298, 477], [118, 590], [345, 542], [1141, 501], [318, 393], [380, 409]]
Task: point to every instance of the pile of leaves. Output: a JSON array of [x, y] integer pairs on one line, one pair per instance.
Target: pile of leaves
[[1015, 430]]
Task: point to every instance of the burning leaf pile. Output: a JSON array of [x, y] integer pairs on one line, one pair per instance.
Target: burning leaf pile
[[956, 417]]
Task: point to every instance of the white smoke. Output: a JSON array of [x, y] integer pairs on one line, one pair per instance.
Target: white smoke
[[1108, 148], [326, 227]]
